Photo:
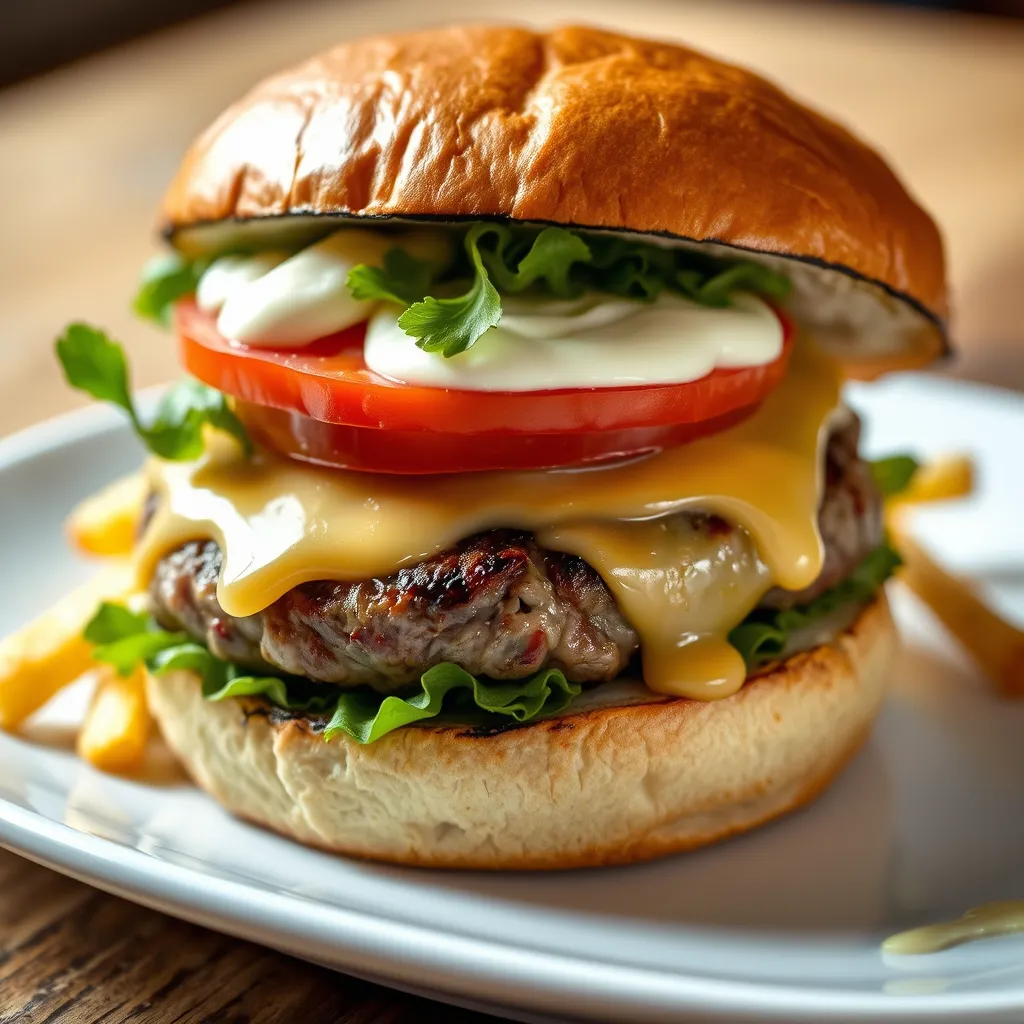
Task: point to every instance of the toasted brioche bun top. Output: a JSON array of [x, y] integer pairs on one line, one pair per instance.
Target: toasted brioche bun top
[[579, 127]]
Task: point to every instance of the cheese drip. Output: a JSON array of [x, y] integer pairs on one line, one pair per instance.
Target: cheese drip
[[280, 524], [682, 589]]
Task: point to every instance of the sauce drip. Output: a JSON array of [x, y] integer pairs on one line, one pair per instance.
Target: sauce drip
[[1005, 917]]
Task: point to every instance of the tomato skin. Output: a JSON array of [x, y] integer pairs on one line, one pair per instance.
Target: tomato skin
[[323, 404], [426, 452]]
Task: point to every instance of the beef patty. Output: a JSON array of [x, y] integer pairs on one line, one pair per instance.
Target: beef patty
[[497, 604]]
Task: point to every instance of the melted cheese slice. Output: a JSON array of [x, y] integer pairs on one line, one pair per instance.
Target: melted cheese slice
[[280, 524]]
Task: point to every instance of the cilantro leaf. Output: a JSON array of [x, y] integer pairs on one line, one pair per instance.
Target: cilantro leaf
[[451, 325], [403, 279], [165, 280], [894, 474], [514, 262], [95, 364], [183, 411], [500, 259]]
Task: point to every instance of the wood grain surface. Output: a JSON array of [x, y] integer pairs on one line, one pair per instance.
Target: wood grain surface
[[71, 954], [84, 155]]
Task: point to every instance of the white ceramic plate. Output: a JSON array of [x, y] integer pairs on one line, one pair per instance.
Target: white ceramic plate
[[783, 924]]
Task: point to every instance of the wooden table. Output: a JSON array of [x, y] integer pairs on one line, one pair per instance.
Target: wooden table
[[72, 954], [84, 155]]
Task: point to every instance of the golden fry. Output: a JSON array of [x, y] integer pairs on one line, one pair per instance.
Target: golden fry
[[49, 653], [950, 477], [116, 730], [995, 644], [107, 523]]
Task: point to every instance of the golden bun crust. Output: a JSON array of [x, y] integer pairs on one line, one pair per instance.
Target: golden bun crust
[[574, 126], [608, 785]]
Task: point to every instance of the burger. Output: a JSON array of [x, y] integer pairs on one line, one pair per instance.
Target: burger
[[510, 515]]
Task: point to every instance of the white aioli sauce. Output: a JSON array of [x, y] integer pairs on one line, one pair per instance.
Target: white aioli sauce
[[597, 340], [271, 301], [229, 274]]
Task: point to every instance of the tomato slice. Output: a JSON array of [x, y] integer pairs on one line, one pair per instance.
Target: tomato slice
[[421, 451], [322, 404]]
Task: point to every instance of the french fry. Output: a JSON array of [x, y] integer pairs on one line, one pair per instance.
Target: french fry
[[995, 644], [108, 522], [949, 477], [49, 653], [116, 730]]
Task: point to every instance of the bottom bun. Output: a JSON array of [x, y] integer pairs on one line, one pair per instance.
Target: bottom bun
[[601, 785]]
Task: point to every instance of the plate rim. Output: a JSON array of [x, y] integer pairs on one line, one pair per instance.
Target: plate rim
[[405, 951], [420, 955]]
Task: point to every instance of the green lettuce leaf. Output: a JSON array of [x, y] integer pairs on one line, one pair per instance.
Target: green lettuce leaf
[[164, 281], [894, 474], [94, 363], [634, 270], [222, 680], [516, 262], [500, 259], [762, 637], [403, 279], [366, 716], [113, 622], [717, 290], [124, 639], [127, 639], [130, 652]]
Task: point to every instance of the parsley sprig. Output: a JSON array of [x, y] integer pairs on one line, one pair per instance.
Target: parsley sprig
[[165, 280], [96, 364], [499, 259]]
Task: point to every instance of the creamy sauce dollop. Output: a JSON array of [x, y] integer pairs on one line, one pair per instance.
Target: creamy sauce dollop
[[594, 341], [276, 300], [273, 300]]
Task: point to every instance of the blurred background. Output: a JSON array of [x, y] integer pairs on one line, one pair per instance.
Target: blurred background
[[100, 98], [46, 33]]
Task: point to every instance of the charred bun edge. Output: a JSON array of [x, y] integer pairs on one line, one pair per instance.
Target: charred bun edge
[[172, 233]]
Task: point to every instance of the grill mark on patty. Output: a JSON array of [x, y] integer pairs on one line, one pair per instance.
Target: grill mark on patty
[[497, 603]]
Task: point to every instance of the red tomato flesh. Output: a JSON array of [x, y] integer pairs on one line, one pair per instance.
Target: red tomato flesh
[[421, 451], [322, 404]]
